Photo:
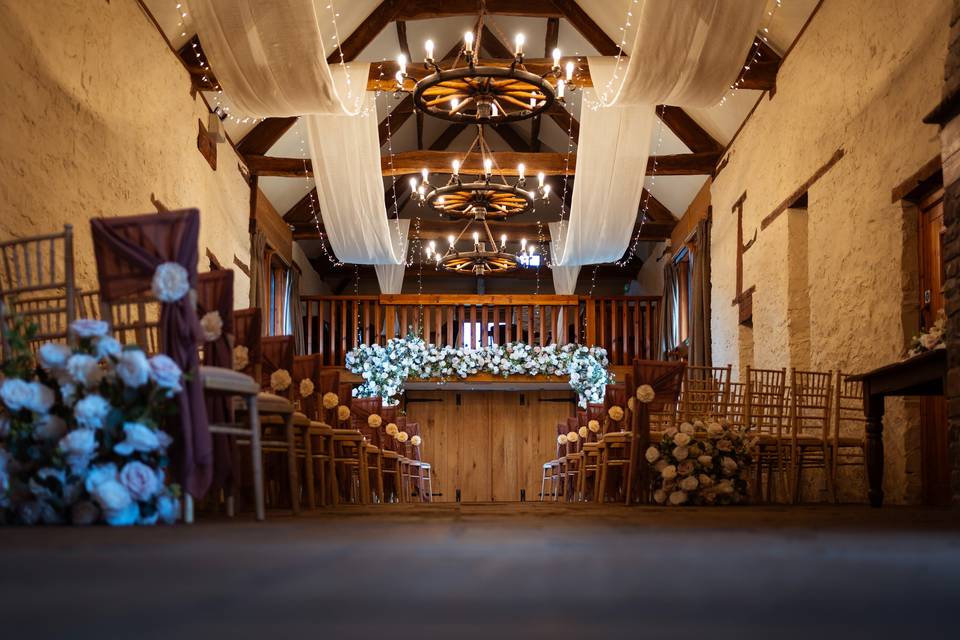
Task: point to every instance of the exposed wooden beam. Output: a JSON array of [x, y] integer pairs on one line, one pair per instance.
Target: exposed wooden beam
[[428, 9], [549, 44], [565, 120], [761, 67], [370, 28], [402, 39], [263, 136], [303, 211], [656, 212], [436, 161], [687, 129], [585, 25], [493, 45]]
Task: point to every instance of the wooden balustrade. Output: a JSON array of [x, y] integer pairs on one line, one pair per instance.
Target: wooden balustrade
[[626, 326]]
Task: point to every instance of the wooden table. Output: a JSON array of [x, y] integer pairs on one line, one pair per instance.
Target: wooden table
[[923, 375]]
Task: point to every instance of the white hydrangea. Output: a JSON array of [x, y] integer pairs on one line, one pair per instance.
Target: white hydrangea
[[171, 282]]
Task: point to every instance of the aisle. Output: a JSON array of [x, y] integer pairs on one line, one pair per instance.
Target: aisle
[[531, 568]]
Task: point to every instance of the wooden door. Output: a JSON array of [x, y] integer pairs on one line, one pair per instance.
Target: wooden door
[[933, 411], [488, 444]]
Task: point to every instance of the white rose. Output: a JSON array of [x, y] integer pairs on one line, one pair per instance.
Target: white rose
[[16, 394], [670, 432], [678, 497], [91, 411], [107, 347], [41, 398], [78, 447], [140, 480], [573, 437], [706, 461], [725, 486], [583, 432], [705, 480], [392, 430], [85, 370], [111, 495], [714, 429], [171, 282], [416, 441], [280, 380], [561, 439], [681, 439], [669, 472], [646, 394], [652, 455], [729, 465], [681, 453], [241, 357], [689, 483], [212, 325], [659, 496], [402, 436], [86, 328], [165, 372], [53, 356], [140, 438], [687, 428], [49, 427], [594, 426], [306, 387], [929, 340], [133, 368]]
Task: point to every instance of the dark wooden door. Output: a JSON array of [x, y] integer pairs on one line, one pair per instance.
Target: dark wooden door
[[933, 411]]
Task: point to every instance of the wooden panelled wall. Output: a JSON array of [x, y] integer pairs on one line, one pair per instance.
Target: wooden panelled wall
[[488, 444]]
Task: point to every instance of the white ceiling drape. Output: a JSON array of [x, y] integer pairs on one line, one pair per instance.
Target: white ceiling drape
[[564, 278], [269, 57], [390, 276], [686, 53]]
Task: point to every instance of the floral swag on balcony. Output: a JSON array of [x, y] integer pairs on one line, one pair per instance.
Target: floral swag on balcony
[[385, 369]]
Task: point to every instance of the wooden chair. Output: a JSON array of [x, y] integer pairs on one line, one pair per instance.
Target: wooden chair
[[37, 282], [614, 448], [811, 397], [351, 476], [765, 413], [591, 453], [360, 411], [848, 433], [706, 392], [737, 404], [318, 443], [416, 477], [574, 458], [391, 460], [221, 384]]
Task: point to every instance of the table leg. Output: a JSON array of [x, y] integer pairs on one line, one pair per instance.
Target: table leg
[[873, 408]]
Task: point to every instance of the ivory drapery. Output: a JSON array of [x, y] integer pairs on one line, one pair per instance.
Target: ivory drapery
[[270, 59], [258, 291], [564, 278], [390, 276], [700, 350], [669, 306]]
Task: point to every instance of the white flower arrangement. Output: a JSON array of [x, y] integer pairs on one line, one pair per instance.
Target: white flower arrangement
[[280, 380], [374, 421], [416, 441], [402, 436], [594, 426], [932, 338], [343, 413], [212, 325], [330, 400], [645, 394], [701, 464], [170, 283], [392, 430], [573, 437], [306, 388], [241, 357], [385, 369], [80, 441], [616, 413]]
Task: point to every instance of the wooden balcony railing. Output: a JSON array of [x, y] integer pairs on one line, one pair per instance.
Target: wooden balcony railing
[[626, 326]]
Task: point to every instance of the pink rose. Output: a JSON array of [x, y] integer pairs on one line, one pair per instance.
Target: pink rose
[[140, 480]]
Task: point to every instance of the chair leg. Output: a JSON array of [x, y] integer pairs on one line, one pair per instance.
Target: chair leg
[[363, 470], [256, 456], [308, 469], [333, 486], [292, 466], [187, 508]]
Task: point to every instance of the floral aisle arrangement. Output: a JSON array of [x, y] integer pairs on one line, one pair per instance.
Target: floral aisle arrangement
[[385, 369], [79, 432], [701, 464], [932, 338]]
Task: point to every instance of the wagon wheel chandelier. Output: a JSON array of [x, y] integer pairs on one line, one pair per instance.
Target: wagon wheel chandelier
[[499, 199], [471, 92], [484, 256]]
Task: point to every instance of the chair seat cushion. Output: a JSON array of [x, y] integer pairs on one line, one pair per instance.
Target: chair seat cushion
[[228, 380], [272, 403]]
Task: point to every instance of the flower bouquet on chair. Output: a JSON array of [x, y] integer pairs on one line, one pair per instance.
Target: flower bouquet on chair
[[701, 464], [79, 435]]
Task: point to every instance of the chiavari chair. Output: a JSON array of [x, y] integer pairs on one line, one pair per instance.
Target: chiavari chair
[[764, 415], [350, 476], [360, 411], [220, 384], [420, 478], [590, 450], [811, 396], [736, 404], [574, 454], [706, 392], [848, 433], [318, 443], [551, 469], [37, 283], [391, 460], [614, 446]]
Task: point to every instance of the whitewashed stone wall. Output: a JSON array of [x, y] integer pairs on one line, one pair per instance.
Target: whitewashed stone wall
[[96, 115], [861, 78]]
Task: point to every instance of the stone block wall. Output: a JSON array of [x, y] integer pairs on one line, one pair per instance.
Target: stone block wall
[[96, 116], [836, 282]]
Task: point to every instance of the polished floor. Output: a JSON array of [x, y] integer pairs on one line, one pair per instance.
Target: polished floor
[[495, 571]]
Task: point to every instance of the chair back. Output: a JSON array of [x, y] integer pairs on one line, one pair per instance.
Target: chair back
[[37, 282], [215, 295], [247, 333], [706, 392], [412, 429], [666, 379], [277, 352], [388, 414], [811, 395], [615, 396], [765, 410], [562, 444], [848, 418], [309, 368], [737, 404], [360, 411], [595, 411]]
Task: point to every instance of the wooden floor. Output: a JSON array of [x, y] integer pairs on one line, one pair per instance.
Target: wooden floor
[[531, 570]]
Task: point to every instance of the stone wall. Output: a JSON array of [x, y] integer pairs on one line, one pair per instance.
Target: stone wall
[[97, 116], [836, 281]]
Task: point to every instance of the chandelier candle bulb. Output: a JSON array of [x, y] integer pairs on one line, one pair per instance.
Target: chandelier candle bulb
[[540, 178], [450, 239], [556, 58], [456, 167], [476, 237], [518, 42], [425, 173], [520, 170], [560, 86], [523, 244], [569, 70], [413, 184], [402, 63], [468, 41], [399, 77], [428, 45], [454, 104], [487, 166]]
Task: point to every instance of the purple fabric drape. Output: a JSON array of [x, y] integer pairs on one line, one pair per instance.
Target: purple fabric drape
[[215, 293], [128, 251]]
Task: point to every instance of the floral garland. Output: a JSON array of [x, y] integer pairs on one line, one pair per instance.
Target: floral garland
[[385, 369], [701, 463], [79, 435], [932, 338]]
